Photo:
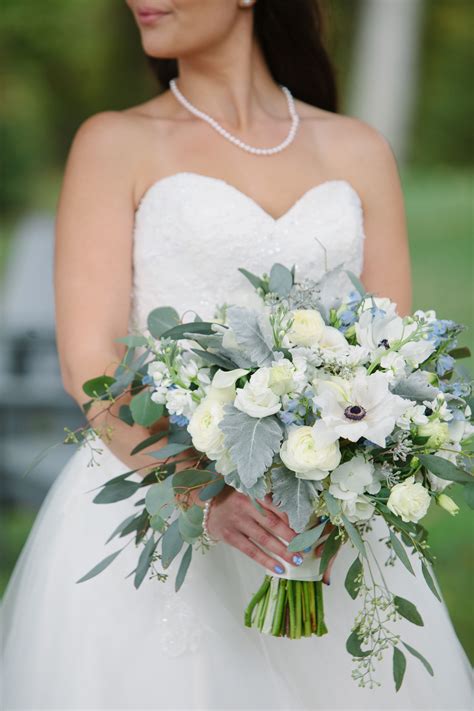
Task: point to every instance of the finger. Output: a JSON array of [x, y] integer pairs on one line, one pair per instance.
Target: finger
[[267, 503], [250, 549], [273, 523], [265, 538]]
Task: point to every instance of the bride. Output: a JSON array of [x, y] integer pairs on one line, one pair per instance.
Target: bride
[[160, 204]]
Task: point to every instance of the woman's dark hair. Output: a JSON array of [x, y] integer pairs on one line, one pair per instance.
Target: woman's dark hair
[[290, 33]]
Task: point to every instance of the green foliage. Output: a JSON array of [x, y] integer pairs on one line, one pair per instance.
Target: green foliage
[[144, 410]]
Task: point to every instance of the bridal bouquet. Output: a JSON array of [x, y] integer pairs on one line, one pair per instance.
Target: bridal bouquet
[[337, 406]]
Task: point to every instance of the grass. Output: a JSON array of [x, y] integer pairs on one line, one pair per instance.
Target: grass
[[440, 228]]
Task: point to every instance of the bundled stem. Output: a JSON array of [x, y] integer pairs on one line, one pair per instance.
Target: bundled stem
[[287, 608]]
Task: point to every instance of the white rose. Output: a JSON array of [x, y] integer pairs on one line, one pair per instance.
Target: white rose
[[281, 377], [356, 476], [333, 340], [307, 327], [358, 508], [409, 500], [256, 398], [309, 454], [204, 428]]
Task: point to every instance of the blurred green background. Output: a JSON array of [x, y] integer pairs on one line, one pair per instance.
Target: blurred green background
[[64, 61]]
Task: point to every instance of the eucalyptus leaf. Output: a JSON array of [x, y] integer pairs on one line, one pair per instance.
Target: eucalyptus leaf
[[187, 479], [98, 387], [353, 579], [187, 330], [461, 352], [307, 538], [252, 442], [399, 666], [125, 414], [408, 610], [171, 543], [161, 320], [169, 450], [281, 280], [179, 435], [353, 645], [133, 341], [211, 490], [183, 567], [253, 279], [445, 469], [469, 495], [429, 580], [144, 561], [121, 526], [330, 549], [354, 535], [148, 441], [116, 492], [400, 552], [251, 334], [160, 498], [100, 566], [419, 656], [144, 410], [356, 283], [158, 523], [333, 505]]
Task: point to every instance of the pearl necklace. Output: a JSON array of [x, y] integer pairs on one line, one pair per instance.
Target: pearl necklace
[[295, 120]]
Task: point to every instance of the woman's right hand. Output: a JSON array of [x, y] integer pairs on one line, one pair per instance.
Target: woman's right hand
[[235, 520]]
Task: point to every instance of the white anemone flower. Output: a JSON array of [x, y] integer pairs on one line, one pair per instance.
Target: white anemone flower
[[383, 332], [361, 407]]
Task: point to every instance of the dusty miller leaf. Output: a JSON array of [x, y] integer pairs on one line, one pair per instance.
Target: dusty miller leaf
[[252, 443], [294, 496], [250, 333]]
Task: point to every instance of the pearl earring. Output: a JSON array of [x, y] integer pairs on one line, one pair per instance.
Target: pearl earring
[[247, 3]]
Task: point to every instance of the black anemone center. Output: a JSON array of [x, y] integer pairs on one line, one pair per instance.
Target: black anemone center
[[384, 343], [355, 412]]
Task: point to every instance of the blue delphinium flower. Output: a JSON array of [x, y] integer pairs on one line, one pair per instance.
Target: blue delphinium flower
[[445, 364], [179, 420], [147, 380]]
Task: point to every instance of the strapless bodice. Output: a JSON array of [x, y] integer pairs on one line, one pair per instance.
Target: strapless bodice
[[192, 232]]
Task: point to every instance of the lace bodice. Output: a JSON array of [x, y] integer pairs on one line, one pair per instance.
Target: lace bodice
[[192, 232]]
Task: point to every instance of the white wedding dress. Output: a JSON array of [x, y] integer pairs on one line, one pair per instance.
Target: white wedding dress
[[104, 645]]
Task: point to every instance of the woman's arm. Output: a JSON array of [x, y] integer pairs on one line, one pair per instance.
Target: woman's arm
[[93, 266], [386, 270]]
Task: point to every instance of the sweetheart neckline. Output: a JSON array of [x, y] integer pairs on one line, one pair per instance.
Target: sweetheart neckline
[[275, 220]]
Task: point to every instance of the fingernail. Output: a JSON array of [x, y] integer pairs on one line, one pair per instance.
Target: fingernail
[[278, 569], [297, 559], [328, 582], [323, 519], [307, 550]]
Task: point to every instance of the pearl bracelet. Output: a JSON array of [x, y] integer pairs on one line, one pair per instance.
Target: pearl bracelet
[[205, 533]]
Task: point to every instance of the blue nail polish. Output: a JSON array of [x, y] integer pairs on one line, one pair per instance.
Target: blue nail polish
[[278, 569], [297, 559], [323, 519], [307, 550]]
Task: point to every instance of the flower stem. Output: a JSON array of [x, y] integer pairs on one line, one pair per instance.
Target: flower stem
[[312, 606], [321, 626], [298, 611], [291, 606], [255, 599], [306, 611]]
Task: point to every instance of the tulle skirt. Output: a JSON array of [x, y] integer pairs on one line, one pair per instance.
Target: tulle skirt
[[104, 645]]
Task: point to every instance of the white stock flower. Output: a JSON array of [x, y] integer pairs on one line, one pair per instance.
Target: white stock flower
[[361, 407], [409, 500], [307, 327], [355, 477], [180, 402], [310, 453], [414, 414], [256, 398], [333, 340], [204, 428]]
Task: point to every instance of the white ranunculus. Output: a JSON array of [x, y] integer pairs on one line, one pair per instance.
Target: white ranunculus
[[361, 407], [204, 428], [409, 500], [333, 340], [256, 398], [309, 452], [307, 327], [281, 376], [358, 508], [357, 476]]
